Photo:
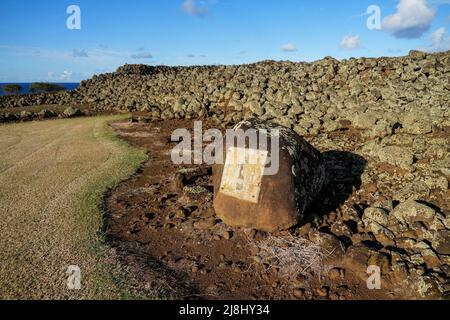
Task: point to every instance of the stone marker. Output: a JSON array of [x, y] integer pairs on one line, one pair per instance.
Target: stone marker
[[247, 194]]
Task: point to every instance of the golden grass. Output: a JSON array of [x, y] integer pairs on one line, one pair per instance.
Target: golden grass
[[53, 175]]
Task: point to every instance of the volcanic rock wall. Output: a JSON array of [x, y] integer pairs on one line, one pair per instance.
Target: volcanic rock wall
[[377, 94], [387, 199]]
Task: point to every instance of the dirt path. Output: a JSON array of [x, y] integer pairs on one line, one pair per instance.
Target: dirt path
[[52, 175], [172, 240]]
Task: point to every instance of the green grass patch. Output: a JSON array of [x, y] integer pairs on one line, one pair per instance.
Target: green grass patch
[[107, 278]]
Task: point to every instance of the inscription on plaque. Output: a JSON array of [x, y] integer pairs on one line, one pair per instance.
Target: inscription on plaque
[[243, 172]]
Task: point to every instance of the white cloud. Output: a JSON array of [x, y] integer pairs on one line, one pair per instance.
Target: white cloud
[[288, 47], [437, 37], [440, 41], [192, 9], [350, 42], [412, 19], [142, 55], [80, 53], [66, 75], [98, 58], [50, 76]]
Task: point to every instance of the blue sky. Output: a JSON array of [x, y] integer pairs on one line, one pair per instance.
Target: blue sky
[[36, 45]]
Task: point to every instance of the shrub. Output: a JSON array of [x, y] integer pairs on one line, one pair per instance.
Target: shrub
[[37, 87], [12, 88]]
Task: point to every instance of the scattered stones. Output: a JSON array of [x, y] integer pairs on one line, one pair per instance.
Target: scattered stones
[[181, 214], [383, 235], [188, 176], [375, 221], [406, 243], [25, 115], [196, 192], [381, 260], [323, 292], [194, 269], [310, 96], [377, 215], [340, 229], [227, 235], [299, 293], [71, 112], [362, 237], [236, 268], [412, 211], [357, 256], [420, 246], [396, 156], [365, 120], [205, 224], [304, 230], [447, 222], [254, 107], [252, 233], [427, 287], [441, 242], [330, 125], [430, 258], [438, 182], [333, 247], [336, 274], [46, 114], [416, 124]]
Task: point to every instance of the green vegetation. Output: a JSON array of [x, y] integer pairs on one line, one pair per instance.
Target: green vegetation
[[52, 182], [38, 87], [12, 88]]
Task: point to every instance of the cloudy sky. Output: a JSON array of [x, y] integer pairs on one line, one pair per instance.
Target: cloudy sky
[[37, 45]]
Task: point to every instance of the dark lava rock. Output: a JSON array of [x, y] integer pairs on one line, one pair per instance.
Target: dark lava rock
[[250, 195], [71, 112]]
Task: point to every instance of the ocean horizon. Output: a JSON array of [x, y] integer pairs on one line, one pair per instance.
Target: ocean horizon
[[26, 86]]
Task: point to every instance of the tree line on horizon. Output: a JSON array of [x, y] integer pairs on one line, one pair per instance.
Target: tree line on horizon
[[35, 87]]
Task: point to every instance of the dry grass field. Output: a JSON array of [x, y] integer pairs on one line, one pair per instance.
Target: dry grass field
[[53, 175]]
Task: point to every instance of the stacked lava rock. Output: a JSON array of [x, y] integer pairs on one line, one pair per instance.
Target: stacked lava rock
[[267, 195]]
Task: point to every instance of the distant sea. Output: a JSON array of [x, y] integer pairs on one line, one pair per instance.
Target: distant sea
[[26, 86]]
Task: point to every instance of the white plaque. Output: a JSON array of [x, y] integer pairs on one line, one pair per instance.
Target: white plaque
[[243, 172]]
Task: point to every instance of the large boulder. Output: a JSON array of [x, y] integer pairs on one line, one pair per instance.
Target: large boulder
[[251, 194]]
